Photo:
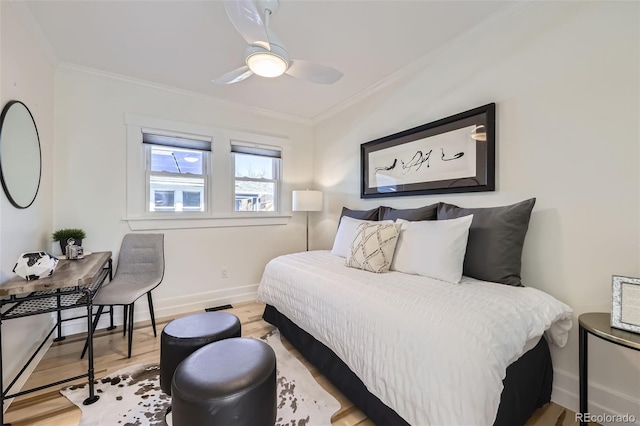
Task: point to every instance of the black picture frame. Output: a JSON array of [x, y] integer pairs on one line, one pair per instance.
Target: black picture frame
[[451, 155]]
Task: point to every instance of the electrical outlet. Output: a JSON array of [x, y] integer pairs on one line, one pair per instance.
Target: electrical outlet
[[224, 273]]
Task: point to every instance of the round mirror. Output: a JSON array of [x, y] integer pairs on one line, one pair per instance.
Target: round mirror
[[20, 160]]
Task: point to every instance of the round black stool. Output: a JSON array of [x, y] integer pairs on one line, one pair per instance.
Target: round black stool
[[183, 336], [230, 382]]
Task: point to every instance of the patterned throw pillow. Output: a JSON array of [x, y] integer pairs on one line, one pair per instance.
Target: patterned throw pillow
[[373, 247]]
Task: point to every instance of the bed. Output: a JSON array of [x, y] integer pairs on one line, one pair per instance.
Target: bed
[[411, 349]]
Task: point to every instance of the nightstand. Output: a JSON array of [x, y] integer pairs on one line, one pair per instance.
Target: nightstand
[[599, 325]]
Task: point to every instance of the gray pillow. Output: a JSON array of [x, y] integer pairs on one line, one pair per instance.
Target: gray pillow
[[360, 214], [421, 213], [496, 238]]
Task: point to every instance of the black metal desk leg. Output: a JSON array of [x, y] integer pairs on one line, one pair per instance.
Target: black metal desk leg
[[1, 380], [583, 371], [59, 314], [92, 396]]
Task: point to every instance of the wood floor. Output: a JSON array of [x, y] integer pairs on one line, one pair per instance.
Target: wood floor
[[49, 407]]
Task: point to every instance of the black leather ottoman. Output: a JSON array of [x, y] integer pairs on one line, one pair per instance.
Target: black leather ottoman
[[183, 336], [230, 382]]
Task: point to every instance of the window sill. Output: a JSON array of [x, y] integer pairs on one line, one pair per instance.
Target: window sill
[[164, 222]]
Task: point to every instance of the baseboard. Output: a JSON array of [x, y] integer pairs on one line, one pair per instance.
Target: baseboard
[[169, 307], [602, 399], [9, 375]]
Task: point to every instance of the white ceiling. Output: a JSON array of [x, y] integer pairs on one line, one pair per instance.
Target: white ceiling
[[184, 44]]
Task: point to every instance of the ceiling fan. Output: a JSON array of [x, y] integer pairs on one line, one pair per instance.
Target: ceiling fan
[[266, 55]]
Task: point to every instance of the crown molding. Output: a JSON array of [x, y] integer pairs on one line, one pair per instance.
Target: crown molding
[[65, 66]]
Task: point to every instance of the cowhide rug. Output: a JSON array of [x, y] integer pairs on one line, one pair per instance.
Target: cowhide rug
[[132, 395]]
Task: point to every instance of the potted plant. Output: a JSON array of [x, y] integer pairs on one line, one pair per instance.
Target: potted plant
[[64, 234]]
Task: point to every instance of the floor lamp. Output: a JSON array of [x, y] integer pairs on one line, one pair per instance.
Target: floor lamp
[[306, 201]]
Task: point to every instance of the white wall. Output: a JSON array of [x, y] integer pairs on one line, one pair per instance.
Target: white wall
[[565, 77], [27, 76], [565, 80], [90, 186]]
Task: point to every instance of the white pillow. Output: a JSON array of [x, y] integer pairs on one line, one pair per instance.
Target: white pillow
[[347, 231], [433, 248], [373, 246]]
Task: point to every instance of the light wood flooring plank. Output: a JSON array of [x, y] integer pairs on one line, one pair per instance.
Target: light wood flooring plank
[[48, 407]]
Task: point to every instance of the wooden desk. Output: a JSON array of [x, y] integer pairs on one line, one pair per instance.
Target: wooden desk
[[73, 284], [599, 325]]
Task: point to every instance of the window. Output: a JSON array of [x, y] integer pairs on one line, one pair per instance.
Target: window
[[185, 175], [177, 173], [164, 200], [191, 199], [256, 177]]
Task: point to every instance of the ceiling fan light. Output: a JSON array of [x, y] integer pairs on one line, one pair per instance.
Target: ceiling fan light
[[266, 64]]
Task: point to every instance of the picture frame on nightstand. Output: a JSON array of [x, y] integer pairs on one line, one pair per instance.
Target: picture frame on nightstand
[[625, 304]]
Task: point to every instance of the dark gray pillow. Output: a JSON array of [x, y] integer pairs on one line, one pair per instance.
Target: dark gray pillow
[[360, 214], [496, 238], [421, 213]]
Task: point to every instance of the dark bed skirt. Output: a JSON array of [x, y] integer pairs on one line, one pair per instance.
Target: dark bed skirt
[[527, 385]]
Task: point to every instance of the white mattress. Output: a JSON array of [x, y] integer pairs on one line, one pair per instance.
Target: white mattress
[[434, 352]]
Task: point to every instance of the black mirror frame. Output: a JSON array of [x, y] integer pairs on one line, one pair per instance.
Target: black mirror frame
[[12, 200]]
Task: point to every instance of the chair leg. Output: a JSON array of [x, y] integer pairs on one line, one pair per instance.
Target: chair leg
[[124, 325], [111, 326], [153, 316], [130, 328], [93, 327]]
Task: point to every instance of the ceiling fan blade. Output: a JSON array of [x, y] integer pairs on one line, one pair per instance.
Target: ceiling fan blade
[[234, 76], [248, 21], [314, 73]]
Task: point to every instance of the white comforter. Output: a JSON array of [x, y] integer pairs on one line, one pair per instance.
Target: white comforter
[[435, 352]]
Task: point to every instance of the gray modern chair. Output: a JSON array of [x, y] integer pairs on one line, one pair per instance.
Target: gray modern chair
[[140, 269]]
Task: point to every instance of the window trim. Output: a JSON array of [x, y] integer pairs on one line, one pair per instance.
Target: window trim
[[221, 213]]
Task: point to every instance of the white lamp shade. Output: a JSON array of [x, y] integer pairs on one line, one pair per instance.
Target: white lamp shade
[[306, 201]]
